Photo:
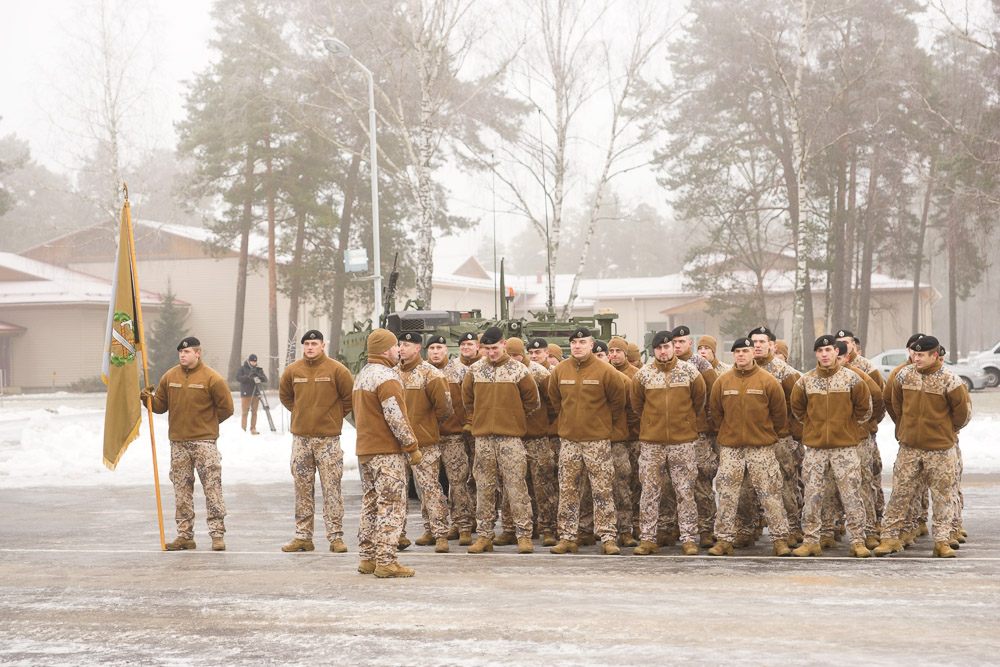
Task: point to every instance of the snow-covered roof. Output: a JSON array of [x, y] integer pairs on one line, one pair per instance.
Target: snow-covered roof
[[25, 281]]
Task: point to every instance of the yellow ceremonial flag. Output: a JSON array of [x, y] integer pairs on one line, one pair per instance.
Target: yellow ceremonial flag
[[121, 369]]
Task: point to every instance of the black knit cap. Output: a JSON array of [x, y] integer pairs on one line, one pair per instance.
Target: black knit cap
[[252, 357], [661, 337], [491, 336], [411, 337], [600, 346], [468, 335], [581, 332], [844, 333], [841, 347], [926, 344], [312, 334], [762, 330], [437, 339], [190, 341], [913, 339], [740, 343], [538, 344], [823, 341], [681, 331]]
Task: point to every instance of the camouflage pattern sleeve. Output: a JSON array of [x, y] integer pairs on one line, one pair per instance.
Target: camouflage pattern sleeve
[[391, 399], [862, 399]]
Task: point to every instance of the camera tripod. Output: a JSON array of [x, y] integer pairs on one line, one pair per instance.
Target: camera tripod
[[258, 390]]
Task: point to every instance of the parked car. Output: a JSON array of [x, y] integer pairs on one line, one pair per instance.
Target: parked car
[[974, 376], [989, 361]]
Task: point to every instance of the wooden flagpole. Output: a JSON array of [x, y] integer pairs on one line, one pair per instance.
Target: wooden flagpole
[[140, 344]]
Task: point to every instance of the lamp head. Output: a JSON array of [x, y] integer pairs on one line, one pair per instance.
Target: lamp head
[[337, 47]]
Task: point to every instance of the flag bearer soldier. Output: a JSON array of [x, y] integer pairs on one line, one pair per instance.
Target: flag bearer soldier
[[669, 397], [317, 391], [198, 400], [747, 409], [452, 445], [930, 404], [833, 404], [499, 393], [590, 398], [428, 405]]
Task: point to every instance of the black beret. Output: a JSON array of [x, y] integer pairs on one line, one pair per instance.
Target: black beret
[[581, 332], [913, 339], [190, 341], [436, 340], [823, 341], [538, 344], [661, 337], [762, 330], [468, 335], [681, 331], [926, 344], [844, 333], [741, 343], [312, 334], [252, 357], [491, 336], [411, 337], [841, 347], [600, 346]]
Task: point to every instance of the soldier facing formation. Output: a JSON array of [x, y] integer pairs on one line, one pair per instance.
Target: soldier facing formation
[[635, 455]]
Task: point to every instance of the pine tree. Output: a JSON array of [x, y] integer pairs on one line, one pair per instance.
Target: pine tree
[[164, 336]]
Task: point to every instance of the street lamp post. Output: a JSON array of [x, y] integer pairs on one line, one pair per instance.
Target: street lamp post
[[341, 50]]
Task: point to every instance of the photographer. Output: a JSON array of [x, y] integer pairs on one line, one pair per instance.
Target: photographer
[[247, 376]]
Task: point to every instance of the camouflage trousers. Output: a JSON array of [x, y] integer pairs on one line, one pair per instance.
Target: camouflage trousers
[[877, 480], [941, 470], [748, 511], [383, 507], [501, 459], [309, 457], [760, 465], [593, 458], [704, 493], [846, 468], [681, 462], [543, 482], [622, 485], [866, 452], [461, 505], [433, 502], [187, 456], [634, 484], [785, 452]]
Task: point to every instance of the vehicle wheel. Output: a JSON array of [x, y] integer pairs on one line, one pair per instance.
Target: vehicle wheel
[[968, 383], [992, 377]]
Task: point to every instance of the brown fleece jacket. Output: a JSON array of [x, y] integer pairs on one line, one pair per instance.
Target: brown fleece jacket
[[198, 400], [589, 396], [933, 404], [318, 394], [870, 427], [748, 408], [669, 397], [498, 397], [787, 377], [380, 411], [708, 372], [833, 405], [454, 372], [428, 401]]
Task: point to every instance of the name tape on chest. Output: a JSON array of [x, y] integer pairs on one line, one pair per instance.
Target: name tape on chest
[[730, 392], [591, 382], [175, 384], [300, 379], [685, 383], [322, 380], [758, 392], [567, 381], [196, 386]]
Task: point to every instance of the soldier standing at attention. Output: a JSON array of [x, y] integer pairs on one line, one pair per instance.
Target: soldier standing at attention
[[452, 445], [708, 458], [930, 405], [833, 404], [499, 393], [317, 390], [384, 440], [669, 397], [748, 408], [428, 405], [590, 398], [198, 400]]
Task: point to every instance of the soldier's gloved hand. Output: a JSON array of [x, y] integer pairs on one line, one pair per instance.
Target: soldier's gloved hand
[[146, 393], [415, 457]]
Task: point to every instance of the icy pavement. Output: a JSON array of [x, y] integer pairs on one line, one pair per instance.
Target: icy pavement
[[82, 581]]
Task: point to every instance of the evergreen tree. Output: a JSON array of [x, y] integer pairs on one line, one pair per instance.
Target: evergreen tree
[[164, 336]]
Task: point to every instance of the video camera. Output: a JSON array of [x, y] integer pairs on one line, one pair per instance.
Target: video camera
[[257, 375]]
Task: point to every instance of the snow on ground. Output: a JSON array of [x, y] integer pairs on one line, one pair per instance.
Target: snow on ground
[[57, 439]]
